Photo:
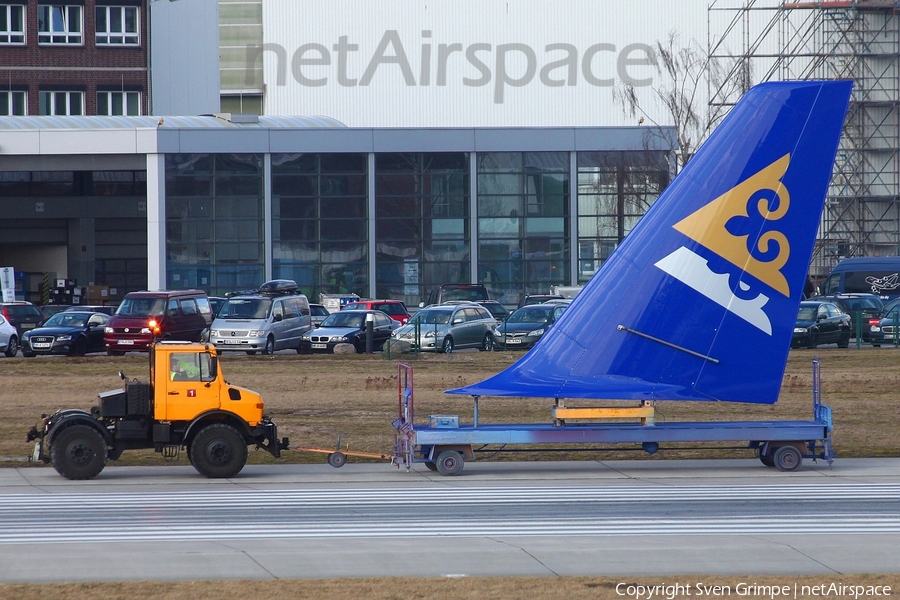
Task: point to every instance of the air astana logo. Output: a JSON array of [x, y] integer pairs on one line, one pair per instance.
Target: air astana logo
[[707, 227]]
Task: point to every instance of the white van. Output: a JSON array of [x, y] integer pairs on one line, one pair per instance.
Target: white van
[[269, 319]]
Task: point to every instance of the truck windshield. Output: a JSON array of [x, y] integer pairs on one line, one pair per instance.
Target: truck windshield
[[142, 307], [245, 308]]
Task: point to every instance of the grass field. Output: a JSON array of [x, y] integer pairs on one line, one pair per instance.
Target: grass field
[[314, 399]]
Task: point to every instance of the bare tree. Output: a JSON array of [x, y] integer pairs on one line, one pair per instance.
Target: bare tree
[[697, 92]]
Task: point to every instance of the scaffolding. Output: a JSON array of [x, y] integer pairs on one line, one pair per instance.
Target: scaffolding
[[859, 40]]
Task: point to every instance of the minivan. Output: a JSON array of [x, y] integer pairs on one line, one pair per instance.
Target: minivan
[[270, 319], [879, 275], [144, 316]]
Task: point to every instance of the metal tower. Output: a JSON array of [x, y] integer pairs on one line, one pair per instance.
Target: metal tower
[[843, 39]]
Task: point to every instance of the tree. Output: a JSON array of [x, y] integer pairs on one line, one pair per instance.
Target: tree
[[695, 90]]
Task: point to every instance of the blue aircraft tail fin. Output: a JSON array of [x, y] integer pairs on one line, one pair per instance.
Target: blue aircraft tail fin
[[700, 299]]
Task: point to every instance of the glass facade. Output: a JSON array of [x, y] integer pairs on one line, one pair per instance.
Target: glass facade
[[614, 190], [421, 223], [214, 222], [319, 222], [523, 224]]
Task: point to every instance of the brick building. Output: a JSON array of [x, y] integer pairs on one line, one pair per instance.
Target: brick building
[[74, 57]]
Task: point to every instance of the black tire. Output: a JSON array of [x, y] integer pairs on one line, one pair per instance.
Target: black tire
[[430, 466], [787, 458], [813, 341], [844, 342], [766, 459], [449, 462], [12, 347], [337, 459], [78, 452], [79, 348], [115, 353], [488, 343], [270, 346], [447, 346], [218, 451]]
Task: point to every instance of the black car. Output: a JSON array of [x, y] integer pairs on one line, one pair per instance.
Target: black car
[[821, 323], [348, 327], [69, 332], [864, 310], [525, 326], [888, 327], [24, 316]]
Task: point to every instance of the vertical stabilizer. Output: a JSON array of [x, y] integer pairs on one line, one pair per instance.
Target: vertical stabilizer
[[700, 300]]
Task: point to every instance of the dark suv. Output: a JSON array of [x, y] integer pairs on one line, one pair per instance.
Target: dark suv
[[864, 310], [22, 315]]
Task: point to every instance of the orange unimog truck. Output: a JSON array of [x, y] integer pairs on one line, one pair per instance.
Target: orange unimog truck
[[185, 404]]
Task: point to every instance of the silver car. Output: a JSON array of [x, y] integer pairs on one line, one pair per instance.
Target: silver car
[[261, 323], [445, 328], [9, 338]]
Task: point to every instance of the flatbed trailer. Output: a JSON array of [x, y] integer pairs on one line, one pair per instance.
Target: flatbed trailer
[[444, 444]]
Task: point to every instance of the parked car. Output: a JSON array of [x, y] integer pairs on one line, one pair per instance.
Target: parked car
[[530, 299], [473, 292], [821, 323], [100, 308], [497, 310], [143, 316], [525, 326], [884, 332], [71, 332], [271, 319], [348, 327], [865, 307], [48, 310], [395, 309], [22, 315], [9, 338], [447, 327], [317, 314]]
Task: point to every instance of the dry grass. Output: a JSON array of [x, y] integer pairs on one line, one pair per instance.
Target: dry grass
[[480, 588], [315, 399]]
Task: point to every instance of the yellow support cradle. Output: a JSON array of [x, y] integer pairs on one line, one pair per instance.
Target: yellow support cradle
[[646, 412]]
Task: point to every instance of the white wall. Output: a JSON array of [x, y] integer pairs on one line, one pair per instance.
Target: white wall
[[507, 63]]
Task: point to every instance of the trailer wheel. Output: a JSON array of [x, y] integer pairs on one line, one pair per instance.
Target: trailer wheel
[[430, 466], [787, 458], [78, 452], [449, 462], [766, 459], [337, 459], [218, 451]]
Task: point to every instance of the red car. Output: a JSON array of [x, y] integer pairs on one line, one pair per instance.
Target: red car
[[395, 309]]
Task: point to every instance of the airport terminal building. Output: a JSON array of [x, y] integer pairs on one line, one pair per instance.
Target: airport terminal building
[[224, 202]]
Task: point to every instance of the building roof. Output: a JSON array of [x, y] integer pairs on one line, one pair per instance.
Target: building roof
[[225, 120]]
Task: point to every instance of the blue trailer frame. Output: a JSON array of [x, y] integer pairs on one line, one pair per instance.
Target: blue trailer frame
[[443, 448]]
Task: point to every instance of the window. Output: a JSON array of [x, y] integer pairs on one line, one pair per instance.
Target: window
[[117, 25], [12, 24], [62, 103], [118, 103], [59, 24], [12, 103]]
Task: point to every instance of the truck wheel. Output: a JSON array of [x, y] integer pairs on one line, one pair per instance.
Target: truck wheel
[[787, 458], [78, 452], [449, 462], [218, 451]]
